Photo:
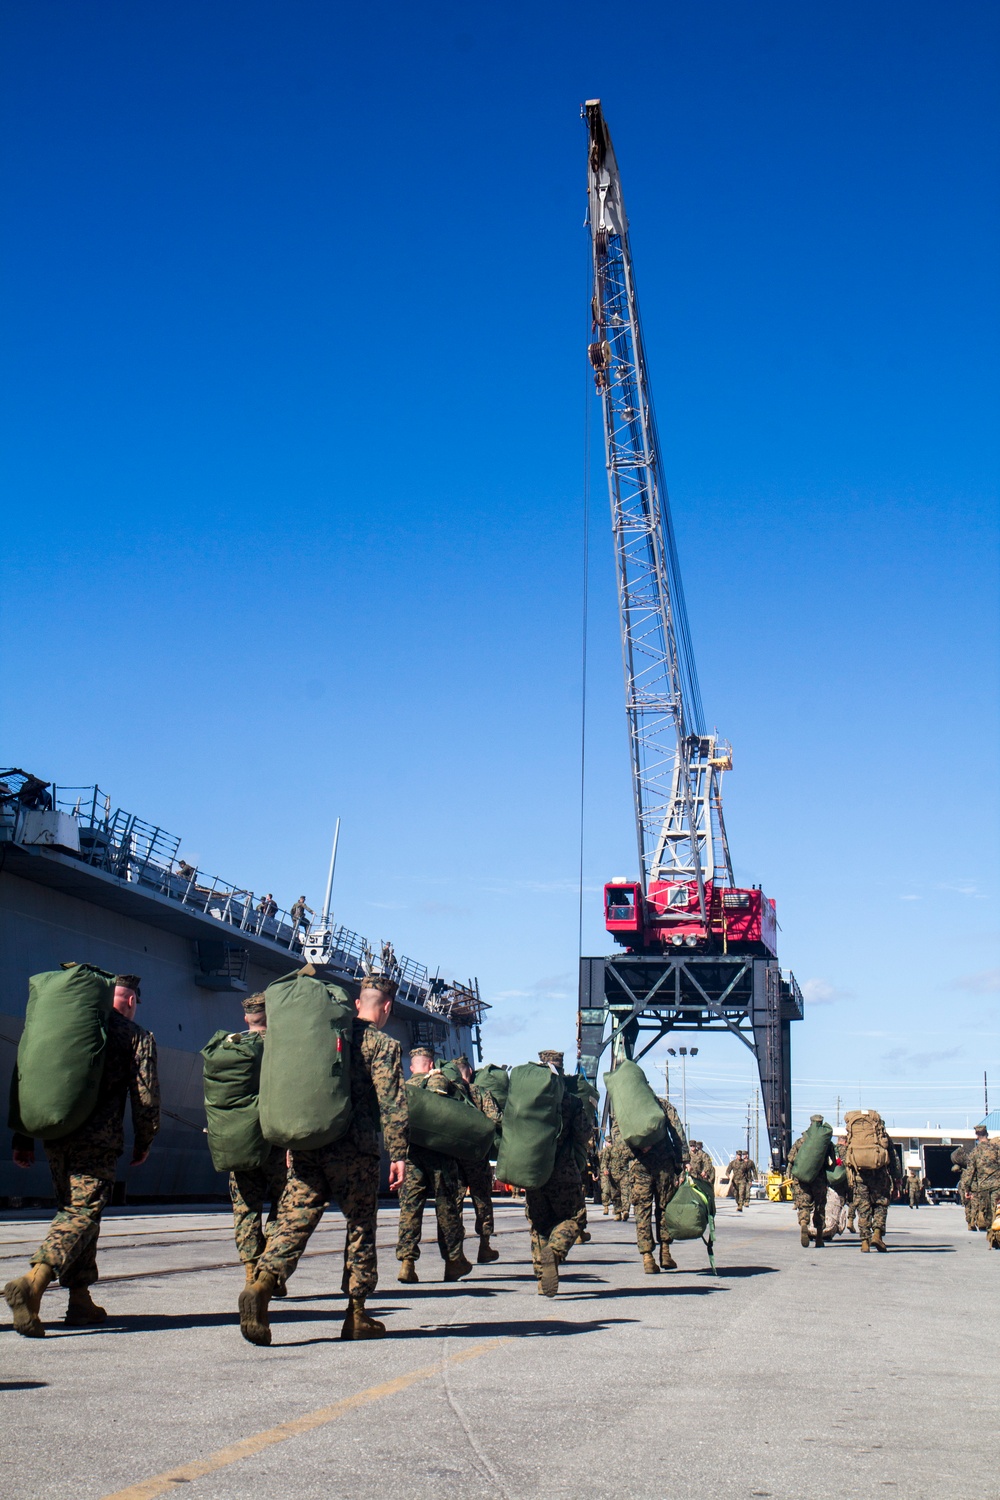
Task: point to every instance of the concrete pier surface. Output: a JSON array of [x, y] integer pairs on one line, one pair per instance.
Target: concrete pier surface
[[797, 1374]]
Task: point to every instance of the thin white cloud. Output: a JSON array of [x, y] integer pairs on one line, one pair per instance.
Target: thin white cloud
[[986, 982], [822, 992]]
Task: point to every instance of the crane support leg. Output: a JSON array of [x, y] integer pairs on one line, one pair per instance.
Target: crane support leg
[[629, 1002]]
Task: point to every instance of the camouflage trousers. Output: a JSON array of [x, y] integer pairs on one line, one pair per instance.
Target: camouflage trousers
[[315, 1178], [986, 1201], [477, 1176], [83, 1184], [810, 1203], [870, 1191], [428, 1174], [249, 1192], [653, 1181], [913, 1191], [552, 1211], [741, 1191]]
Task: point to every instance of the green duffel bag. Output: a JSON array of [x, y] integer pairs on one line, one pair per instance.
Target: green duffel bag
[[690, 1215], [580, 1085], [305, 1076], [448, 1123], [231, 1072], [811, 1157], [836, 1178], [450, 1070], [532, 1121], [494, 1081], [637, 1110], [60, 1058]]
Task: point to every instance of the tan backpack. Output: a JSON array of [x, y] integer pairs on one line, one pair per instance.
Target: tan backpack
[[868, 1143]]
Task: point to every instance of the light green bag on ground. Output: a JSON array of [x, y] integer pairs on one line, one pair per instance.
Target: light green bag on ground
[[637, 1110], [532, 1121], [810, 1158], [60, 1058], [448, 1124], [305, 1077], [231, 1071], [836, 1177], [494, 1081]]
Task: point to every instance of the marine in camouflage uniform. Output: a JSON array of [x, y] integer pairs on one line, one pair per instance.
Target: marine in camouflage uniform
[[347, 1170], [477, 1175], [585, 1160], [810, 1197], [251, 1189], [701, 1164], [610, 1196], [741, 1172], [552, 1208], [983, 1183], [84, 1165], [959, 1163], [431, 1174], [654, 1177], [914, 1186], [871, 1190], [621, 1169]]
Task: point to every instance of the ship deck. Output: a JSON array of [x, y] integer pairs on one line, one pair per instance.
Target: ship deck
[[796, 1374]]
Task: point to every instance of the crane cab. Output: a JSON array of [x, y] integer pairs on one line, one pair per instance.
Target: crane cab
[[669, 918]]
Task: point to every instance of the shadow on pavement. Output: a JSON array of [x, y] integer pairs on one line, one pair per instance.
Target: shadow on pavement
[[528, 1328], [665, 1287], [735, 1272], [22, 1385]]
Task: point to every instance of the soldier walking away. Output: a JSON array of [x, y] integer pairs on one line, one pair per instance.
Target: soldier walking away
[[914, 1186], [83, 1166], [621, 1165], [431, 1174], [654, 1177], [298, 915], [251, 1189], [871, 1186], [959, 1162], [982, 1180], [552, 1209], [810, 1197], [477, 1176], [701, 1164], [347, 1170]]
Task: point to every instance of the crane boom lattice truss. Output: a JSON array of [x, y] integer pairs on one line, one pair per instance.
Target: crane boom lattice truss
[[676, 766]]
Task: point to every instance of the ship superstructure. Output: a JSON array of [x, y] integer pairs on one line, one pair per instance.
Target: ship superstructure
[[82, 879]]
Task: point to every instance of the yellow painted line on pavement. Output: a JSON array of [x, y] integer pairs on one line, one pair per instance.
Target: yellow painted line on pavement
[[161, 1484]]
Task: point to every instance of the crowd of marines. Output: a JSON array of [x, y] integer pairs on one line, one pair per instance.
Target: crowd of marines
[[296, 1186]]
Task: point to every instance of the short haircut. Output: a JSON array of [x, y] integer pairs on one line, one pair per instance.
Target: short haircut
[[387, 987]]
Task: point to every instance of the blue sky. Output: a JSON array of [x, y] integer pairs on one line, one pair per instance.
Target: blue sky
[[295, 309]]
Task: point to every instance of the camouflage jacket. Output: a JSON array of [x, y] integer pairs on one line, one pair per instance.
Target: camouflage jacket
[[736, 1171], [674, 1121], [702, 1165], [481, 1099], [378, 1098], [130, 1076], [983, 1172]]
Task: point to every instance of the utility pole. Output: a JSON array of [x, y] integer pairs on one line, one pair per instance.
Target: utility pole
[[838, 1111], [748, 1127], [756, 1127], [986, 1095]]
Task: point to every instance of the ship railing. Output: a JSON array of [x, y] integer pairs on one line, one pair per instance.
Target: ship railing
[[145, 854]]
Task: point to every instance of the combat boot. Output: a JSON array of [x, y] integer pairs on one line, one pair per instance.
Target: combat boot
[[24, 1298], [280, 1287], [583, 1235], [649, 1264], [254, 1299], [819, 1239], [548, 1281], [666, 1259], [455, 1269], [617, 1217], [83, 1311], [879, 1242], [604, 1211], [357, 1323], [407, 1272], [865, 1247], [805, 1239], [486, 1251]]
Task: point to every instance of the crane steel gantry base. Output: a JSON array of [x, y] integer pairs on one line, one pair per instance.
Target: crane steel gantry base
[[630, 1001]]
